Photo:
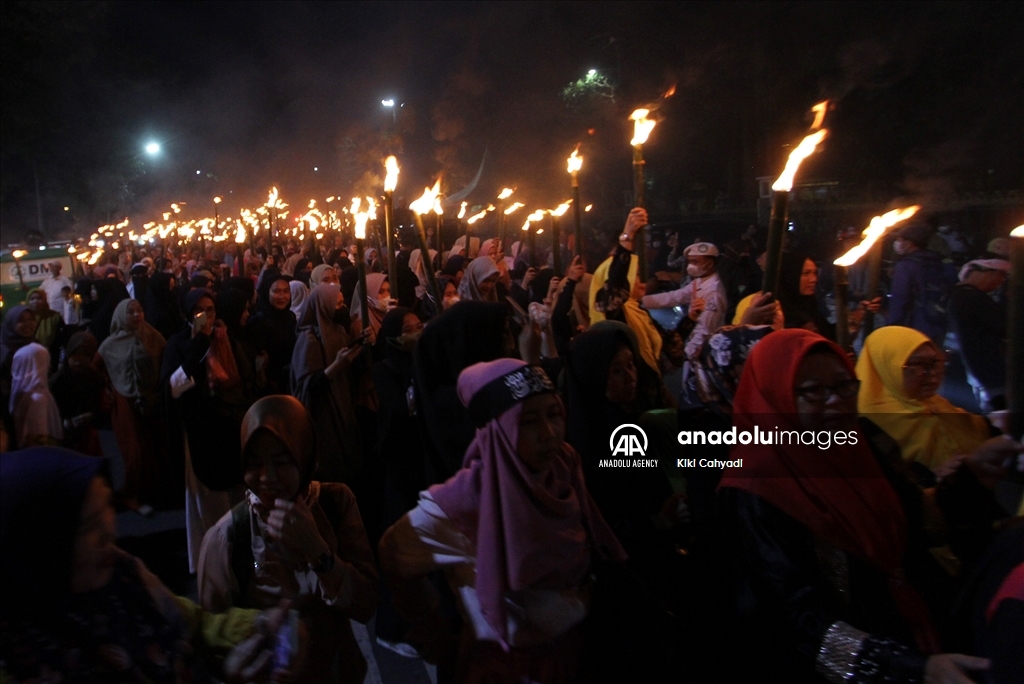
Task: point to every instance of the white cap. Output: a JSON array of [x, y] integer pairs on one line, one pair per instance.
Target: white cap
[[701, 249], [984, 265]]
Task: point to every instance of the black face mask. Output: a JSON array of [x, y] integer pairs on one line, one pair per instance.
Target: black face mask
[[342, 317]]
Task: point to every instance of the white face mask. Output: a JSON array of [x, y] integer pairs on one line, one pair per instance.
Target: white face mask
[[695, 271], [382, 304], [452, 301]]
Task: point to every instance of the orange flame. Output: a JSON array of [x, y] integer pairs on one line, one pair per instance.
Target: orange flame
[[462, 210], [361, 217], [506, 193], [240, 234], [874, 231], [516, 206], [1017, 232], [575, 160], [819, 114], [588, 207], [476, 217], [425, 204], [391, 179], [642, 126], [802, 151], [561, 209], [217, 200]]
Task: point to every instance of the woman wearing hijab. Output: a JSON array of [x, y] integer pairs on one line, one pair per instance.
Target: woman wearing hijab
[[480, 280], [133, 354], [272, 330], [515, 531], [321, 380], [900, 371], [49, 323], [467, 333], [82, 395], [293, 537], [830, 544], [378, 300], [36, 416], [323, 274], [107, 293], [298, 292], [78, 609], [162, 304], [417, 266], [454, 267], [233, 310], [18, 330], [200, 375], [609, 385]]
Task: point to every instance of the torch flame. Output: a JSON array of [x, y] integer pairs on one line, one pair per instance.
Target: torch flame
[[642, 126], [562, 208], [802, 151], [438, 209], [516, 206], [18, 253], [391, 179], [217, 200], [476, 217], [819, 114], [425, 204], [588, 207], [1017, 232], [506, 193], [875, 230], [271, 198], [240, 234], [575, 160], [462, 210]]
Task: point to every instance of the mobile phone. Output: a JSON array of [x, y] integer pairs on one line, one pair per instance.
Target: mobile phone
[[200, 320], [287, 641]]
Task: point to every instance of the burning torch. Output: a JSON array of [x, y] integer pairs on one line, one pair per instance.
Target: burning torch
[[575, 163], [780, 202], [875, 230]]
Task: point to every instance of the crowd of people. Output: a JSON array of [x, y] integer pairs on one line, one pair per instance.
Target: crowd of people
[[350, 447]]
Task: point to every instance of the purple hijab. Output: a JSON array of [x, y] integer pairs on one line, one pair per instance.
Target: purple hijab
[[526, 526]]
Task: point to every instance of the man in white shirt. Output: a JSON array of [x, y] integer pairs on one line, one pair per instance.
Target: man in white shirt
[[52, 285]]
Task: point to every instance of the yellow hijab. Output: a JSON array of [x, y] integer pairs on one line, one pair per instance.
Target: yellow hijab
[[930, 431], [648, 338]]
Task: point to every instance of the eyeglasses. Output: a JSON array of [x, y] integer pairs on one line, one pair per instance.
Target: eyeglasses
[[935, 367], [819, 394]]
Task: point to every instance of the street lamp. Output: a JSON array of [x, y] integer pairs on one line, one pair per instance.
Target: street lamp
[[390, 104], [153, 148]]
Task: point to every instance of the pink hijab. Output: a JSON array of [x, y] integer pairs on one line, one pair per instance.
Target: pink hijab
[[526, 526]]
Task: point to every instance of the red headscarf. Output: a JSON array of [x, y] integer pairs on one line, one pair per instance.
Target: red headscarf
[[839, 493], [530, 529]]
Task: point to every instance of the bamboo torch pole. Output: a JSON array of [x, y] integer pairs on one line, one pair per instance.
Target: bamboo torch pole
[[1015, 346]]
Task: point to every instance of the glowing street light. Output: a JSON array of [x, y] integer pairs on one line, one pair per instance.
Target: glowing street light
[[390, 104], [153, 148]]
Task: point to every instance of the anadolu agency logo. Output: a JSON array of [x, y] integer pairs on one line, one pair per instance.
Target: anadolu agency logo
[[628, 446]]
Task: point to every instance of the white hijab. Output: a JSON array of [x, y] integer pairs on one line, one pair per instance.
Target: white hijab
[[34, 409]]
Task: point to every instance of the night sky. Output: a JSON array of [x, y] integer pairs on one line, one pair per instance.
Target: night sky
[[928, 100]]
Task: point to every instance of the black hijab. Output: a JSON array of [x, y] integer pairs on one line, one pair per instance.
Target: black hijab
[[161, 304], [800, 310], [111, 293], [467, 333]]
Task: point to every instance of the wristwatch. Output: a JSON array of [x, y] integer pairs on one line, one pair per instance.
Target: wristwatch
[[325, 563]]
